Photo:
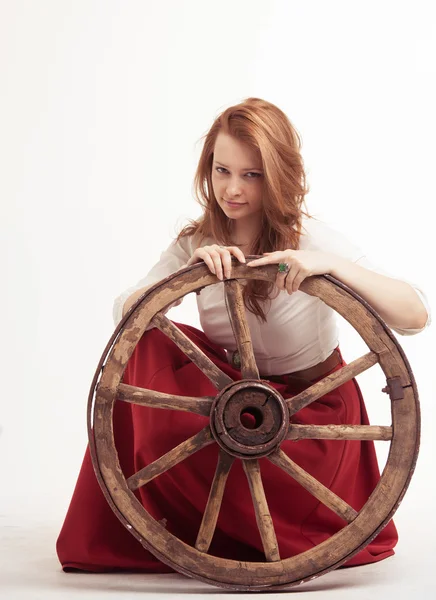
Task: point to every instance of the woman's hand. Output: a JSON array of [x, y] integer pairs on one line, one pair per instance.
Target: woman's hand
[[217, 258], [302, 263]]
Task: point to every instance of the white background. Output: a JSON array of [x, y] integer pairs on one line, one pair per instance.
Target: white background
[[103, 104]]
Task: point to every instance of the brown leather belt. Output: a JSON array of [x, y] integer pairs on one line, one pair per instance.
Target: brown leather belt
[[308, 374]]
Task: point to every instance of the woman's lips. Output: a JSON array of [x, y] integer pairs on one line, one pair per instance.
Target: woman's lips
[[234, 204]]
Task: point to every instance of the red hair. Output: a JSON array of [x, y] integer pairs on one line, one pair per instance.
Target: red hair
[[267, 130]]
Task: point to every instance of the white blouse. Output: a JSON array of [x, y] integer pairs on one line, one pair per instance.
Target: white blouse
[[300, 331]]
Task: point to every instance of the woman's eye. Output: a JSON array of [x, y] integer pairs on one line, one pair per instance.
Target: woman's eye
[[250, 173]]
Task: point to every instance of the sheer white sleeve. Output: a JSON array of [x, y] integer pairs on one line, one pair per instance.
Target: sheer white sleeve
[[326, 238], [171, 260], [368, 264]]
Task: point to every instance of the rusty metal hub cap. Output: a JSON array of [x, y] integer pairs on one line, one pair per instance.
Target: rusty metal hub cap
[[249, 419]]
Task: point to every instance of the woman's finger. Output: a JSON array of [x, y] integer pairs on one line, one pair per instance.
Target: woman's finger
[[238, 253], [301, 276], [226, 253], [202, 254], [293, 272], [226, 259], [216, 258], [267, 258]]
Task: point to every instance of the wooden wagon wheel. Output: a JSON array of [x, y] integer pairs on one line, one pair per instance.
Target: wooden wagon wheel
[[248, 445]]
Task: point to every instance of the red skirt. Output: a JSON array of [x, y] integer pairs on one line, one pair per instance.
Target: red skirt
[[93, 539]]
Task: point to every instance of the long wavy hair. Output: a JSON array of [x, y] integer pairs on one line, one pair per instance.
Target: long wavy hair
[[266, 129]]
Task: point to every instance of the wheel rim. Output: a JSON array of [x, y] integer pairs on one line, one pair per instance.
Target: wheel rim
[[276, 573]]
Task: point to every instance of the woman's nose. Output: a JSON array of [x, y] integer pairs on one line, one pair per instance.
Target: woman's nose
[[234, 187]]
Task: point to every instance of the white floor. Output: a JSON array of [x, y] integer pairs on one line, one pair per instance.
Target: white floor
[[29, 568]]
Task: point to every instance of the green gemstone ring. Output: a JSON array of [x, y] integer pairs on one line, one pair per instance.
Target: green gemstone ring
[[283, 267]]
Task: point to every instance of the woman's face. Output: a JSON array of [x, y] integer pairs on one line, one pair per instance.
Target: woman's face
[[237, 178]]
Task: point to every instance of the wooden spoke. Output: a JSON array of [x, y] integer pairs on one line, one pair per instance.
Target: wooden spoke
[[312, 485], [329, 383], [339, 432], [213, 506], [263, 516], [209, 368], [144, 397], [173, 457], [237, 315]]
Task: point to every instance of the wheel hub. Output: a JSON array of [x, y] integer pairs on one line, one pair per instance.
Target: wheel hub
[[249, 419]]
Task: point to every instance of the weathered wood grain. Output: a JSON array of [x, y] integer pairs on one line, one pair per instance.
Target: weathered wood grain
[[210, 516], [329, 383], [235, 301], [261, 510], [339, 432], [312, 485], [154, 399], [203, 362], [173, 457]]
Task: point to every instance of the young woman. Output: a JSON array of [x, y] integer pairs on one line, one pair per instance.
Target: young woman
[[251, 184]]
